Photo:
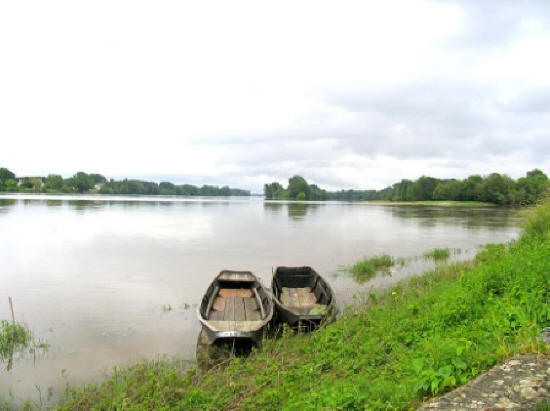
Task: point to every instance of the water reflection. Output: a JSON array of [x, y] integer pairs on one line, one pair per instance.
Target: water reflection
[[297, 211], [6, 205], [272, 207], [486, 218]]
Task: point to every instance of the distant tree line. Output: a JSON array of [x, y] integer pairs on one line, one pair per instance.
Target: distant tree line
[[494, 188], [297, 189], [96, 183]]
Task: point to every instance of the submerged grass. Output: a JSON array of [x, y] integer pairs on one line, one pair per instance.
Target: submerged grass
[[435, 203], [399, 348], [367, 268], [438, 254], [14, 337]]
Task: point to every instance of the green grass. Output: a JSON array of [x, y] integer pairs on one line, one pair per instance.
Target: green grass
[[438, 254], [537, 222], [367, 268], [396, 350]]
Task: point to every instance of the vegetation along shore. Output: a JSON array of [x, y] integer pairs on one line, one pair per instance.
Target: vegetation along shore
[[97, 184], [397, 348], [473, 191], [494, 188]]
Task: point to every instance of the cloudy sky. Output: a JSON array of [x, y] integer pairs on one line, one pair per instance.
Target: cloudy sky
[[348, 94]]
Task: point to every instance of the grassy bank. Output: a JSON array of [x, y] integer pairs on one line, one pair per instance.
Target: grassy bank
[[419, 339], [433, 203]]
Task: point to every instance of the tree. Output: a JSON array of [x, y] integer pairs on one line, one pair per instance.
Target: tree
[[5, 175], [81, 182], [472, 188], [316, 193], [402, 191], [449, 190], [423, 188], [188, 190], [10, 185], [54, 182], [497, 188], [95, 178], [532, 187], [274, 191], [297, 185], [166, 188]]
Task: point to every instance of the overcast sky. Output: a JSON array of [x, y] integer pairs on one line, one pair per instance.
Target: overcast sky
[[347, 94]]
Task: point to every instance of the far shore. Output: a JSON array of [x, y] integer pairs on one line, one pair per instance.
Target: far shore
[[431, 203]]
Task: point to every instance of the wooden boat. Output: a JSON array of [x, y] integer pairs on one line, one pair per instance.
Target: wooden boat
[[235, 307], [302, 297]]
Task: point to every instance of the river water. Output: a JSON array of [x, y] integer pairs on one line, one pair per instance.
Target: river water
[[109, 280]]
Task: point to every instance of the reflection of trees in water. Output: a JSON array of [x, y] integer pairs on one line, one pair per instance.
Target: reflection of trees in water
[[84, 205], [6, 205], [273, 208], [81, 205], [487, 218], [297, 211], [53, 203]]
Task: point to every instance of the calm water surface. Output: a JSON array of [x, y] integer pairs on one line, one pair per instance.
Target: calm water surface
[[94, 276]]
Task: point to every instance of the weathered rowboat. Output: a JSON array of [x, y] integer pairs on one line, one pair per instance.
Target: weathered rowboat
[[235, 307], [302, 297]]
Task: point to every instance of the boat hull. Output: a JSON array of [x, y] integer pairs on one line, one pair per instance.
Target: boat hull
[[223, 336], [284, 315]]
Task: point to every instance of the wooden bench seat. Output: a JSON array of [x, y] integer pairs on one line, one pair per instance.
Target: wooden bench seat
[[235, 305]]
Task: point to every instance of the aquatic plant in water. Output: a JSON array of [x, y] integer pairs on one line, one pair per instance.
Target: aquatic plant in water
[[14, 337], [438, 254], [367, 268]]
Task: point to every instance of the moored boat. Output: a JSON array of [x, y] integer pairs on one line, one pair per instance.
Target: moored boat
[[302, 297], [236, 307]]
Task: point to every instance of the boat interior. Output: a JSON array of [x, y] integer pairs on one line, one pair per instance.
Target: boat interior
[[301, 290], [235, 301]]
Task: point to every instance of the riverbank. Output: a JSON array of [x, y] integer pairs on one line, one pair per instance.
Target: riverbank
[[520, 383], [395, 349], [432, 203]]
